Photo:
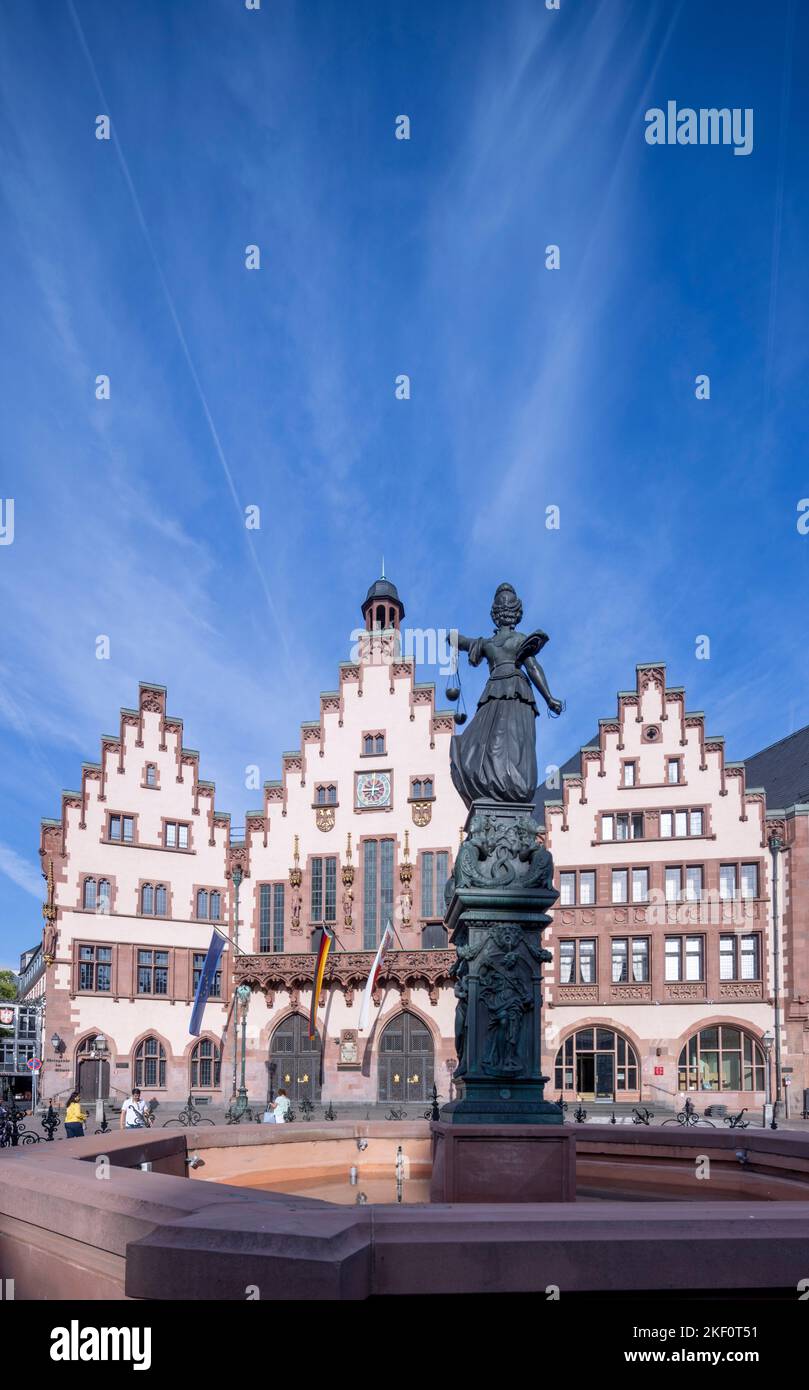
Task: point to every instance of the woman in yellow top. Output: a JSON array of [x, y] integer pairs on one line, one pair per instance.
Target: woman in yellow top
[[74, 1118]]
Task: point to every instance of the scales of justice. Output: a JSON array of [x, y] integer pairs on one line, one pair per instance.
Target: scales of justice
[[498, 903]]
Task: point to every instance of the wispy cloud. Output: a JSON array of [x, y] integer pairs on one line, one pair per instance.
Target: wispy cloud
[[20, 871]]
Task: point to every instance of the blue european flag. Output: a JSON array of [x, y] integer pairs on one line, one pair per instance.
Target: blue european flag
[[206, 979]]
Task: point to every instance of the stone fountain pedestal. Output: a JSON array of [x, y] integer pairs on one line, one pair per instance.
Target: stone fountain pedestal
[[511, 1144], [503, 1163]]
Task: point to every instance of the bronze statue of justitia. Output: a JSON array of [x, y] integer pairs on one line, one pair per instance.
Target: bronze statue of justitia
[[495, 758]]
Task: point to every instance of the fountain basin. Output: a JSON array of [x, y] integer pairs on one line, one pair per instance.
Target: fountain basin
[[80, 1220]]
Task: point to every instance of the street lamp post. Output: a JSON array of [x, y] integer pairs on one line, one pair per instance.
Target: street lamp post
[[776, 845], [767, 1042], [239, 1106]]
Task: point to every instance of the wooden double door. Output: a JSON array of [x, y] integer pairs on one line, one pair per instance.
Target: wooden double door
[[297, 1060], [406, 1060]]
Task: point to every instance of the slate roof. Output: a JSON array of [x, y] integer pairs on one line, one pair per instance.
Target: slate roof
[[782, 770], [555, 793]]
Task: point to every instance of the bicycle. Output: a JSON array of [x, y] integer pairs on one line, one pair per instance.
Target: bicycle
[[688, 1116]]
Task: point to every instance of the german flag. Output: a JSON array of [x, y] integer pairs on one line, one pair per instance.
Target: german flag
[[317, 984]]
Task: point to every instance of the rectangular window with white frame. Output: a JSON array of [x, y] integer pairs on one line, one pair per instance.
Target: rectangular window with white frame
[[640, 885], [619, 885], [175, 834], [740, 957], [567, 890], [587, 888], [577, 962], [679, 825]]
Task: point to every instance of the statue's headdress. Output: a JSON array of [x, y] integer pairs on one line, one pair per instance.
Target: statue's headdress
[[506, 607]]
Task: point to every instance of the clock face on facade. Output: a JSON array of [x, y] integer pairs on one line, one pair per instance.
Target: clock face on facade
[[373, 790]]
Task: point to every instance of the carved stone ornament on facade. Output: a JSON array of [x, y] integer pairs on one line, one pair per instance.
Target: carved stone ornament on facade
[[151, 701], [238, 854], [50, 933], [349, 970], [324, 818], [422, 812], [347, 874]]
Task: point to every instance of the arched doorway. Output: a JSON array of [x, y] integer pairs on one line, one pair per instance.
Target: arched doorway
[[92, 1071], [297, 1059], [598, 1064], [405, 1060]]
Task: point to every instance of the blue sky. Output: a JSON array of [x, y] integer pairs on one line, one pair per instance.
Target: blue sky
[[381, 256]]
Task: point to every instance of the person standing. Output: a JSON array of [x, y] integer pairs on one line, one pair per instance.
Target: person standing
[[280, 1106], [74, 1117], [133, 1112]]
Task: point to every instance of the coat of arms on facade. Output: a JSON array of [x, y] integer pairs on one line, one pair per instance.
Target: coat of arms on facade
[[324, 817], [422, 812]]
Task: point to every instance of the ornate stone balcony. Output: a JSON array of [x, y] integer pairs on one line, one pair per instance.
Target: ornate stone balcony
[[405, 970]]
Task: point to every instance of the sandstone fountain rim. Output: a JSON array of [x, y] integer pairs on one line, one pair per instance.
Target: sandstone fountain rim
[[176, 1238]]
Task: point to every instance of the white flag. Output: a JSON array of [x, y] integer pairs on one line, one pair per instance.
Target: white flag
[[387, 938]]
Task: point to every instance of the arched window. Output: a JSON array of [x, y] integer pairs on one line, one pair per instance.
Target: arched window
[[89, 898], [160, 900], [427, 787], [380, 743], [202, 903], [103, 904], [380, 615], [147, 899], [216, 906], [331, 795], [206, 1066], [722, 1058], [321, 796], [150, 1063]]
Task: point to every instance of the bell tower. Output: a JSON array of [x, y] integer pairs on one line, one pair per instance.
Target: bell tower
[[383, 610]]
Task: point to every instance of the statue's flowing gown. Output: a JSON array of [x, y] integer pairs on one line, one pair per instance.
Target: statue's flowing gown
[[495, 757]]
